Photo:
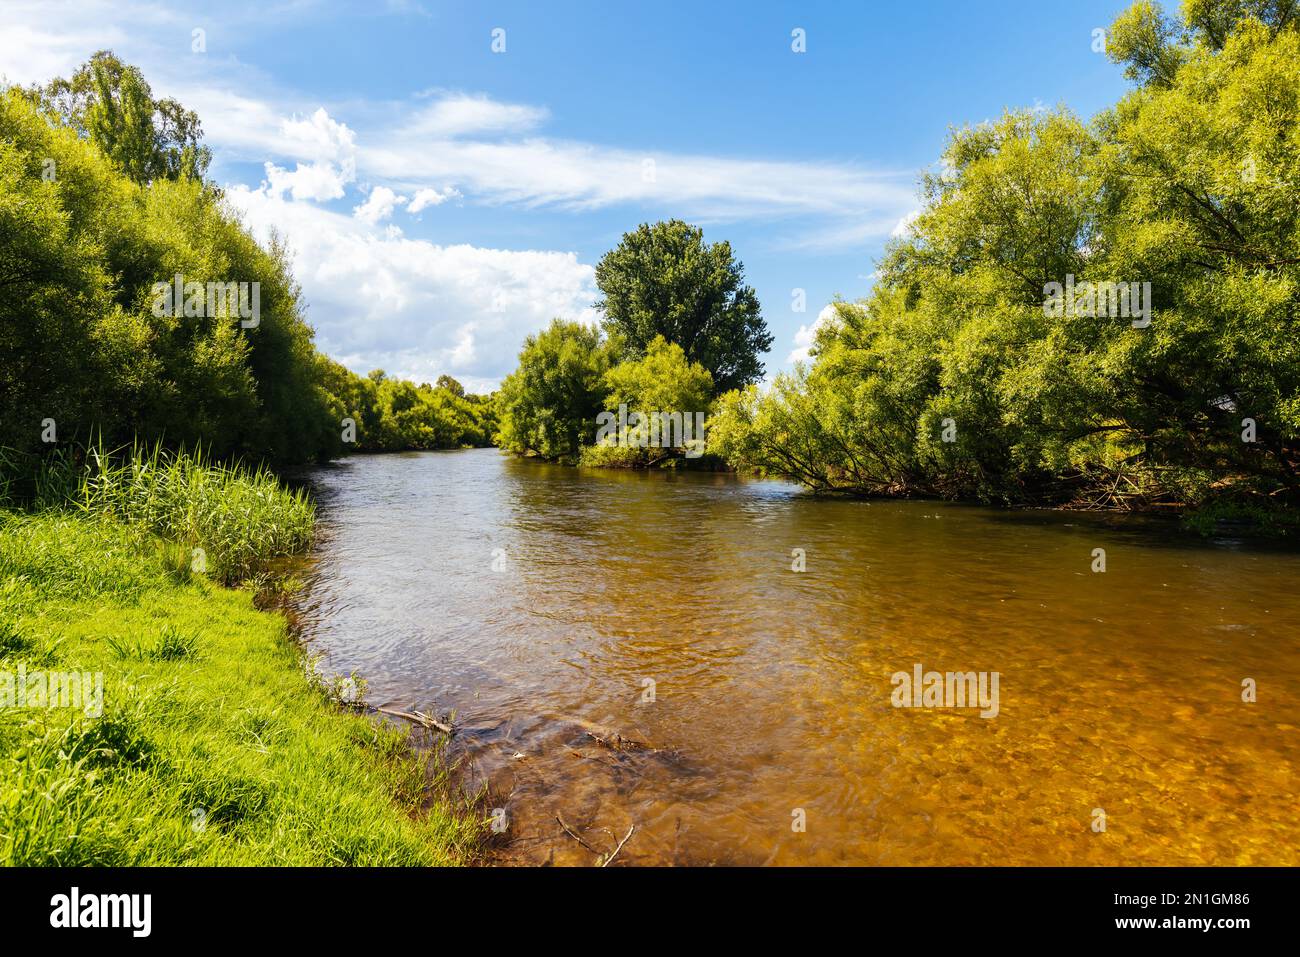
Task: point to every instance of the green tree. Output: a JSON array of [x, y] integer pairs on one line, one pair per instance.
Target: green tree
[[451, 385], [661, 380], [549, 404], [954, 377], [664, 280], [110, 103]]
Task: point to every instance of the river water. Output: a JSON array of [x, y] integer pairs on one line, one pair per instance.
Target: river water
[[545, 605]]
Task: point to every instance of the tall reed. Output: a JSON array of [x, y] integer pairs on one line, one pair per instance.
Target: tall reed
[[234, 521]]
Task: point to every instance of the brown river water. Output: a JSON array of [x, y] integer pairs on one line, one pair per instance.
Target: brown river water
[[542, 603]]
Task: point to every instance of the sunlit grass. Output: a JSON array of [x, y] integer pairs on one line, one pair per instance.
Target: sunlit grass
[[216, 744], [233, 522]]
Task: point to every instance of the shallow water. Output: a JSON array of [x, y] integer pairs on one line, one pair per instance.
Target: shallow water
[[536, 601]]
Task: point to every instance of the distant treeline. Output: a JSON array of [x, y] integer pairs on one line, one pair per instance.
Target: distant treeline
[[681, 327], [103, 197]]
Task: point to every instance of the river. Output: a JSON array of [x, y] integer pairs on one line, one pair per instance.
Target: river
[[542, 604]]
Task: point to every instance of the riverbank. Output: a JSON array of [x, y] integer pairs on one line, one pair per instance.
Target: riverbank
[[151, 717]]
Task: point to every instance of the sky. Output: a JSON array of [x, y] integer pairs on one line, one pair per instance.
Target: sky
[[448, 174]]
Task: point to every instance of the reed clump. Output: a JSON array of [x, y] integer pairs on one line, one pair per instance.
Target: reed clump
[[233, 521]]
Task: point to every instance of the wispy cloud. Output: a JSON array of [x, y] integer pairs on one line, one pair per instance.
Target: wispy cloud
[[335, 173], [458, 114], [490, 151]]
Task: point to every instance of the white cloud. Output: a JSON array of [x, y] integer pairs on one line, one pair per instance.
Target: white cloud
[[415, 308], [539, 171], [806, 335], [42, 39], [318, 181], [320, 138], [458, 114], [329, 147], [379, 205], [425, 198], [904, 224]]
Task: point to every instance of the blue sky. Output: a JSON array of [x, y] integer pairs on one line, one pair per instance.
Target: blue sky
[[442, 200]]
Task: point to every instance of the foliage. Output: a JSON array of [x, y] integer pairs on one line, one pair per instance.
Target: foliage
[[662, 382], [662, 379], [954, 379], [664, 280], [393, 414], [549, 404]]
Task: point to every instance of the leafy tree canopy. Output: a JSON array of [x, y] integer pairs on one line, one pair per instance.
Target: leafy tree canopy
[[664, 280], [109, 102]]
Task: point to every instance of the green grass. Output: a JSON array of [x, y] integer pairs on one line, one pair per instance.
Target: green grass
[[216, 745], [232, 522]]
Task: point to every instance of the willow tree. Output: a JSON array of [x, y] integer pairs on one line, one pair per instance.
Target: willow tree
[[955, 378], [110, 103]]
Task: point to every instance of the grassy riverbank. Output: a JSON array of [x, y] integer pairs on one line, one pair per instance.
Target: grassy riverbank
[[215, 745]]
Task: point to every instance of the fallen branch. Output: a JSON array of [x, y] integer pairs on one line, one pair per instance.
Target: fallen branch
[[569, 831], [420, 718], [616, 742], [601, 734], [605, 863]]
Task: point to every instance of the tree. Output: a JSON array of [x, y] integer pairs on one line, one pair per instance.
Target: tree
[[664, 280], [956, 378], [110, 103], [663, 380], [549, 404], [451, 385]]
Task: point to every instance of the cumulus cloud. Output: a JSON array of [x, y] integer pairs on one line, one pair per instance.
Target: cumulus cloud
[[329, 147], [316, 181], [321, 138], [414, 308], [379, 205], [427, 197], [806, 335]]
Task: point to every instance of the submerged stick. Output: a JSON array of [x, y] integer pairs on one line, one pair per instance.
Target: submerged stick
[[569, 831], [420, 718], [605, 863]]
